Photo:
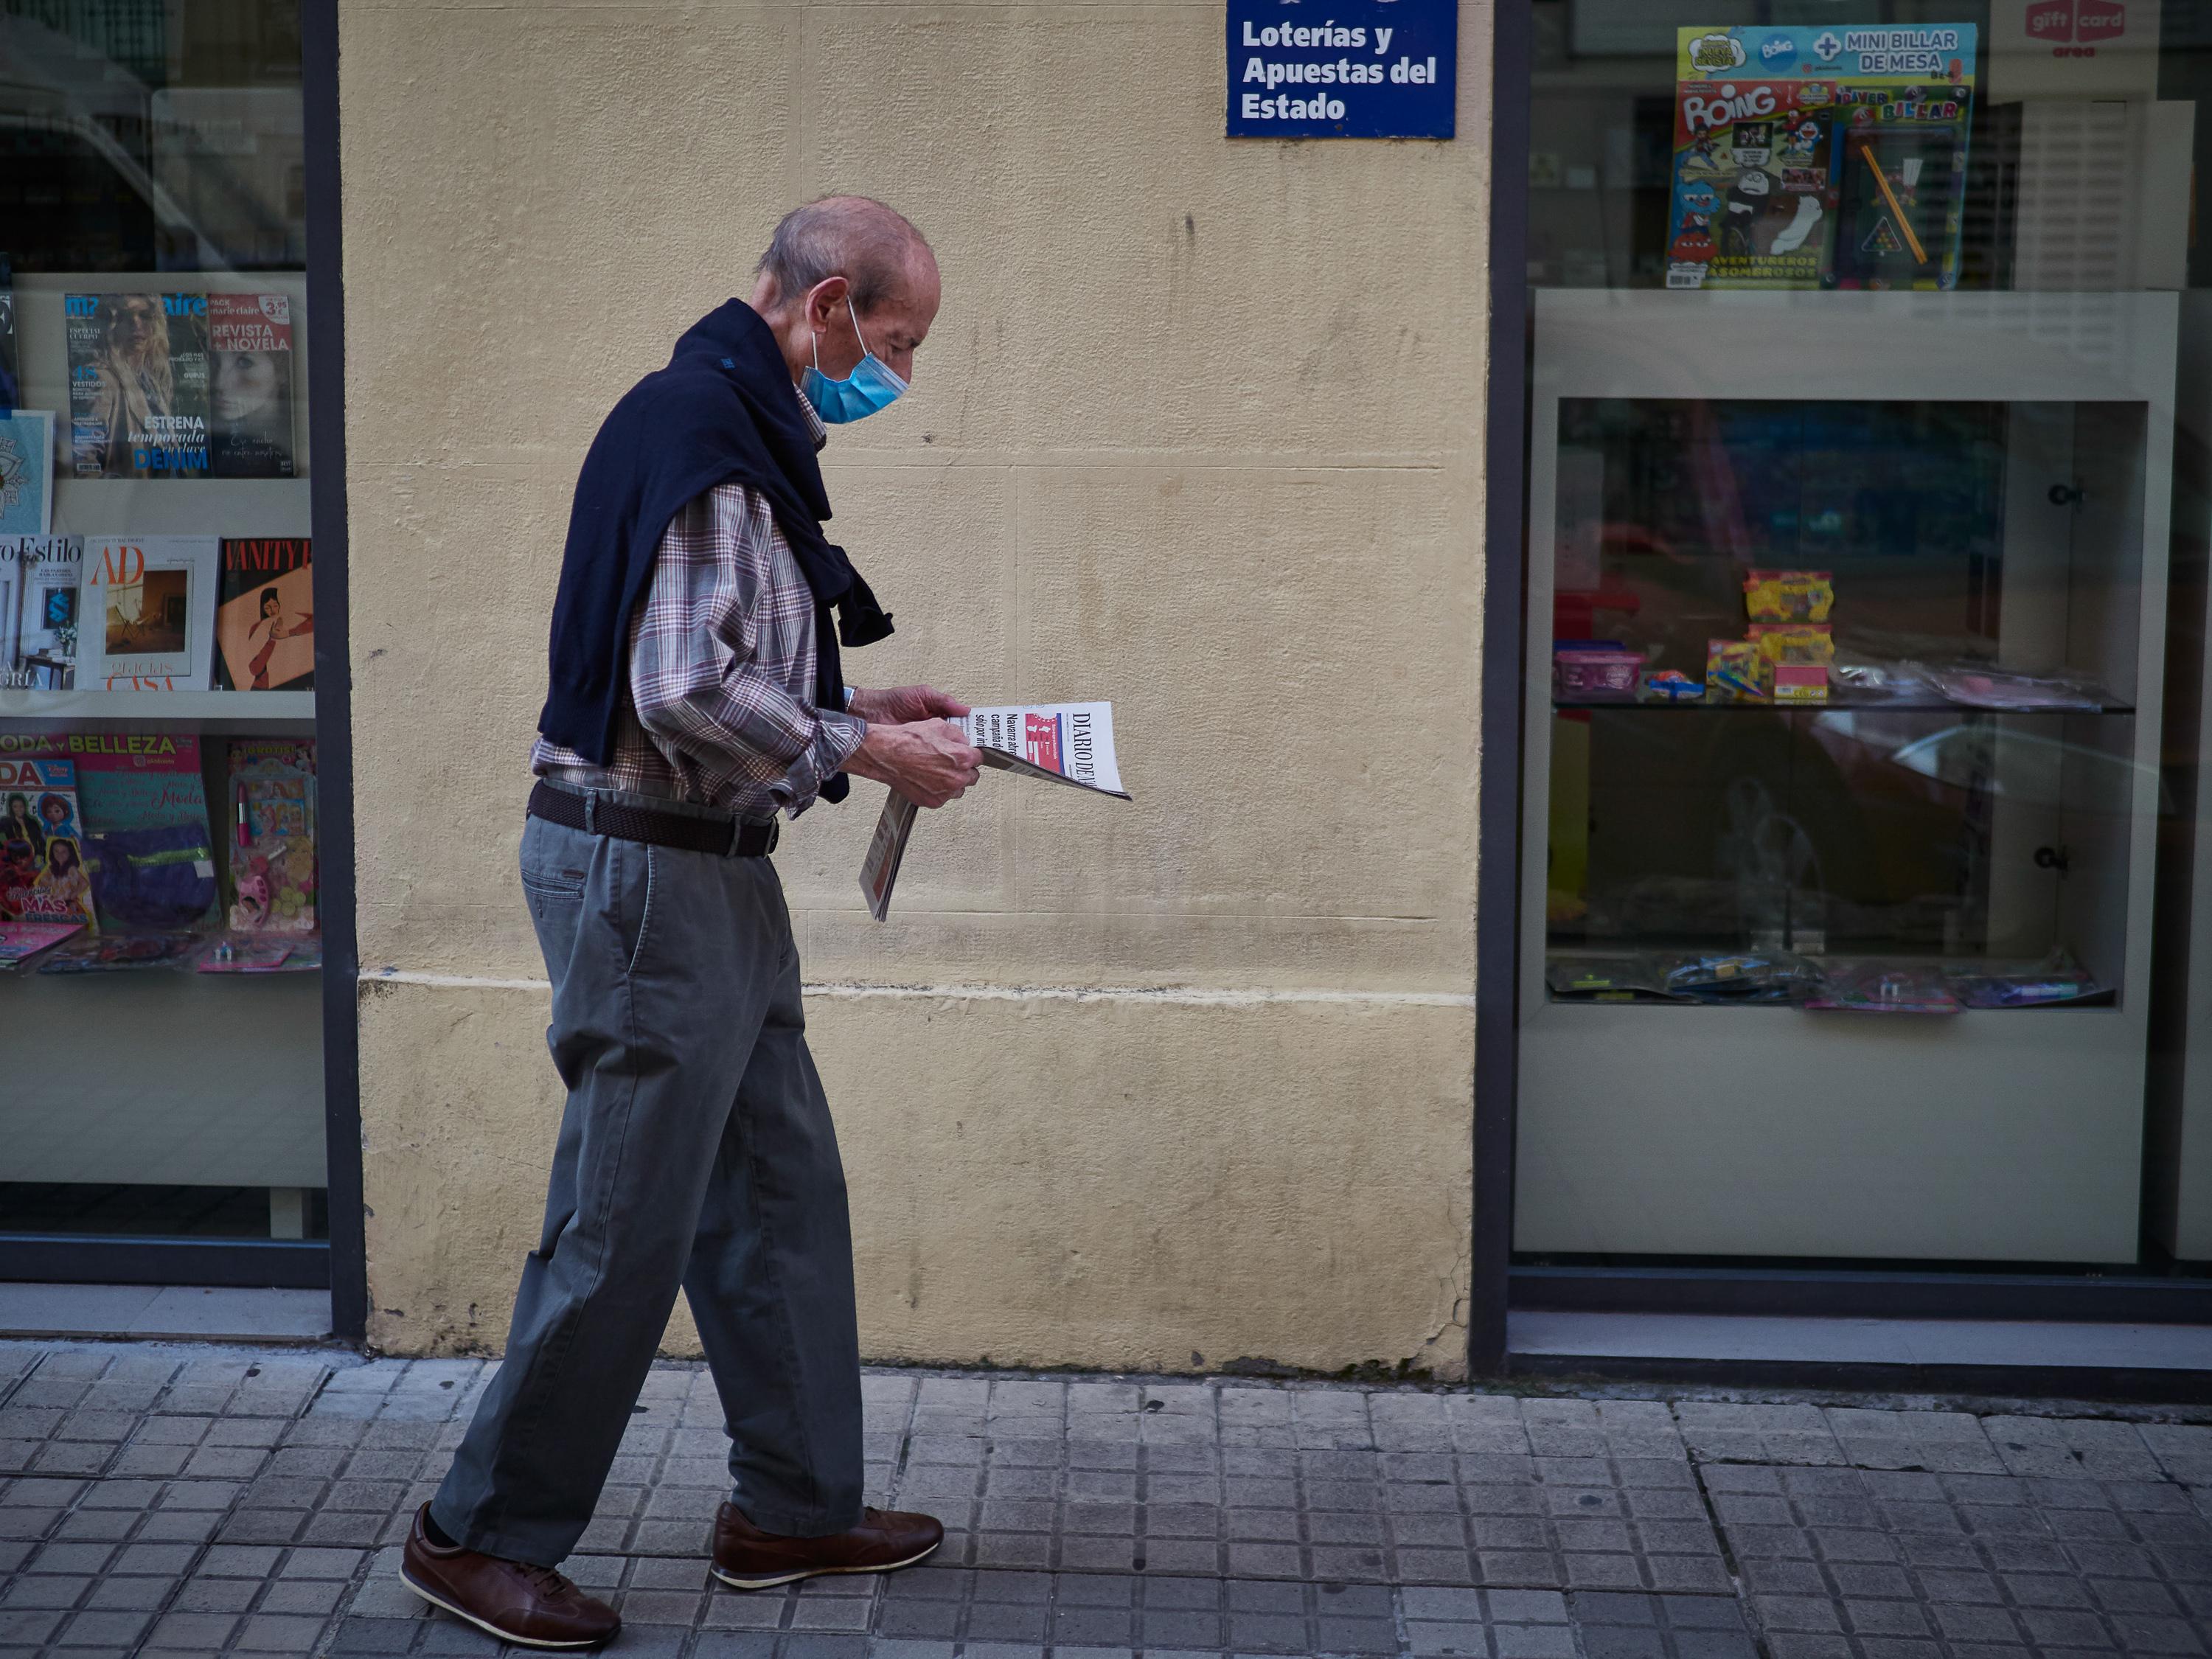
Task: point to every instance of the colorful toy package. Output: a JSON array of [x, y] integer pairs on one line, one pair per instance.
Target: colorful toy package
[[1669, 685], [1806, 642], [1820, 156], [1787, 596], [1794, 659], [1595, 668], [1734, 671]]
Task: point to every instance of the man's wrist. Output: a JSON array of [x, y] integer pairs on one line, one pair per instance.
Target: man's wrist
[[865, 761], [841, 738]]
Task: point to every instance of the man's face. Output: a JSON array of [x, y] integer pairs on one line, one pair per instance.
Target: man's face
[[894, 329]]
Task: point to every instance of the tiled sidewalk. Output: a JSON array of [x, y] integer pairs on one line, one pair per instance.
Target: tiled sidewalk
[[175, 1500]]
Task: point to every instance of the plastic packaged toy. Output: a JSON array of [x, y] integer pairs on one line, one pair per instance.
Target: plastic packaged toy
[[1669, 685], [1604, 979], [2055, 982], [2025, 991], [1981, 686], [1883, 988], [1733, 672], [1885, 681], [1754, 976]]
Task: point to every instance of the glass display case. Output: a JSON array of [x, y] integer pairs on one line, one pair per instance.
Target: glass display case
[[159, 952], [1846, 614], [1936, 799]]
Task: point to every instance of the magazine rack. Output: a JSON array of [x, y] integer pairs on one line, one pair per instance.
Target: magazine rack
[[156, 1077], [1990, 1134]]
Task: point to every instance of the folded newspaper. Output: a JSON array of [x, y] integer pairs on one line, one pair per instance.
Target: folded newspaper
[[1069, 743]]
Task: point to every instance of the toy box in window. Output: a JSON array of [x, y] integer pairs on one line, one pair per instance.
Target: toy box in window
[[1819, 156]]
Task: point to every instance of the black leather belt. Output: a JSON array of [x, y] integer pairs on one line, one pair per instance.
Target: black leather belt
[[596, 815]]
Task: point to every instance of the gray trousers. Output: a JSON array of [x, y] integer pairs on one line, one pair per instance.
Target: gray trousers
[[695, 1149]]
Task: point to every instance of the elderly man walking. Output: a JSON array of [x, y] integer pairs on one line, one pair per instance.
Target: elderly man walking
[[696, 692]]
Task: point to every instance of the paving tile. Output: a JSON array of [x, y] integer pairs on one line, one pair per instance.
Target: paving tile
[[2082, 1449], [1757, 1433], [231, 1505], [1932, 1440]]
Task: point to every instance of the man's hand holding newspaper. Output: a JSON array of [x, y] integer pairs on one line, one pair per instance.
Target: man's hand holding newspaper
[[1068, 743], [916, 743]]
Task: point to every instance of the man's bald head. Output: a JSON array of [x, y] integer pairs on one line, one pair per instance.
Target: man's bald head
[[839, 258], [875, 247]]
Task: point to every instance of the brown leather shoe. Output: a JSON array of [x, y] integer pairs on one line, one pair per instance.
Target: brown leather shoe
[[531, 1607], [746, 1558]]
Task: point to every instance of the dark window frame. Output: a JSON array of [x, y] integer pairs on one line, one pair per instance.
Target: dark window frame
[[348, 1249]]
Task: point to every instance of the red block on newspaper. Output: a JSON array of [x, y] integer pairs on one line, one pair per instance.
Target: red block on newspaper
[[1041, 742]]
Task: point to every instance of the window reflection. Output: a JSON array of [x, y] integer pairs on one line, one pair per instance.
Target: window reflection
[[150, 137]]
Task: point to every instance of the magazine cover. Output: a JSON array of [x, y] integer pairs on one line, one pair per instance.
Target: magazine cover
[[272, 817], [20, 941], [138, 384], [112, 953], [148, 613], [45, 645], [147, 841], [15, 555], [26, 472], [1819, 156], [42, 873], [250, 385], [147, 834], [264, 621]]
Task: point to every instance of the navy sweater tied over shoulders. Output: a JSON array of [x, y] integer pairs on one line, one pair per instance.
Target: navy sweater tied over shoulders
[[723, 411]]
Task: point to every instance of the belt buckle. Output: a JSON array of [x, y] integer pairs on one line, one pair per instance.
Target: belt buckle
[[738, 837]]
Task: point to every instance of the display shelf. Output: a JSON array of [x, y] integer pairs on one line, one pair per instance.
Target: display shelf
[[29, 975], [283, 713], [2020, 517], [200, 507], [1873, 705], [1834, 968], [1848, 1014]]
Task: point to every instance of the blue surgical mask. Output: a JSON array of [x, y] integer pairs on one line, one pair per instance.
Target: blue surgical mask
[[872, 386]]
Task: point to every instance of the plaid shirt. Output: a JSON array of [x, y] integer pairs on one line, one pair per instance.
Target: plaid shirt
[[720, 708]]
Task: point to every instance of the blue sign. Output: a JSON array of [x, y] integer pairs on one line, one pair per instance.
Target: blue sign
[[1356, 69]]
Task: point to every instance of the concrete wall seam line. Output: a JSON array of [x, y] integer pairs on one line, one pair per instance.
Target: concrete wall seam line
[[842, 991]]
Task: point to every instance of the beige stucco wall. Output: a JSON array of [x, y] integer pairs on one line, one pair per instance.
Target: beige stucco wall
[[1198, 430]]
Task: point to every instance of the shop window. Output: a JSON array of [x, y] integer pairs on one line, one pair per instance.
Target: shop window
[[1864, 622], [159, 891]]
